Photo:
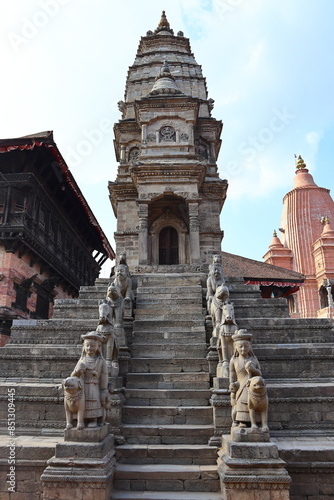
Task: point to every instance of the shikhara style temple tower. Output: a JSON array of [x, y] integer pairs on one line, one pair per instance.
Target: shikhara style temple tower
[[167, 196], [307, 243]]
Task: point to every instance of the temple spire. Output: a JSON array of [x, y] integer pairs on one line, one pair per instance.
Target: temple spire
[[163, 26]]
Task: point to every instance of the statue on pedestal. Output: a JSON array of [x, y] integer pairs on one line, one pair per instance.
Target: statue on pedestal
[[88, 388], [218, 302], [122, 280], [227, 328], [110, 324], [248, 391], [214, 280]]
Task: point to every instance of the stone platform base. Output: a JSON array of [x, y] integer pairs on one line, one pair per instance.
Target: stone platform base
[[252, 471], [80, 471]]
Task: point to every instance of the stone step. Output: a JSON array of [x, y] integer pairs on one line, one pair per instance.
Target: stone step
[[176, 292], [164, 495], [167, 434], [152, 337], [165, 415], [166, 454], [175, 280], [259, 308], [172, 315], [154, 365], [168, 350], [52, 331], [51, 365], [288, 330], [300, 361], [301, 405], [183, 303], [76, 308], [165, 325], [167, 477], [167, 397], [168, 380]]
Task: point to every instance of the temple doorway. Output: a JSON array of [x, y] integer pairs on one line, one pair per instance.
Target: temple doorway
[[168, 246]]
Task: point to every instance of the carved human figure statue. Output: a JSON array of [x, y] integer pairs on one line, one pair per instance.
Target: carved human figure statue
[[110, 324], [248, 394], [214, 280], [227, 329], [92, 369], [217, 304]]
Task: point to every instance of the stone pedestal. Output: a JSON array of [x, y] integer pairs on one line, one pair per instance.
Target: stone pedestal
[[252, 471], [83, 468], [220, 400], [212, 356]]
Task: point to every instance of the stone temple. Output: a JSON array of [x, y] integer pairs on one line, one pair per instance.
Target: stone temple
[[190, 331]]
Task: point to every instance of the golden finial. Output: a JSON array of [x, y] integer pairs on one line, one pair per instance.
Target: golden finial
[[324, 220], [300, 162], [274, 234]]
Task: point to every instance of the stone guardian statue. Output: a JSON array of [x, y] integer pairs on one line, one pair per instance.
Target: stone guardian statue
[[248, 392]]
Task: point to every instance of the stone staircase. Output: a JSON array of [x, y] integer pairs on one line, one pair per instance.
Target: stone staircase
[[167, 418]]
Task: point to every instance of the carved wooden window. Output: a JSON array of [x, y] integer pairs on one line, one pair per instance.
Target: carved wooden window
[[2, 206], [52, 231], [59, 237], [168, 246], [42, 306], [67, 245], [19, 202], [42, 216], [167, 134], [21, 299]]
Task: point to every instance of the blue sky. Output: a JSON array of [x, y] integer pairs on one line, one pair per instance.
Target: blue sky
[[269, 68]]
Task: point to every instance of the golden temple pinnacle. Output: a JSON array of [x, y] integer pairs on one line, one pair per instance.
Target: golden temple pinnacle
[[300, 163]]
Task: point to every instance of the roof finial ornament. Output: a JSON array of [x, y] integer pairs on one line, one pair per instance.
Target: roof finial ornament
[[324, 220], [274, 234], [300, 163], [163, 26]]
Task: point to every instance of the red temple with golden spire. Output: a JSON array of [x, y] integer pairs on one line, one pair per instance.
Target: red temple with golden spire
[[307, 244]]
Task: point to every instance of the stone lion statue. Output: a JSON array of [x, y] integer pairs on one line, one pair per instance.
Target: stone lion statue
[[258, 402], [74, 401]]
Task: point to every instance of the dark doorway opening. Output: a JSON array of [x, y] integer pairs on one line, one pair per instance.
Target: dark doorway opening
[[168, 246]]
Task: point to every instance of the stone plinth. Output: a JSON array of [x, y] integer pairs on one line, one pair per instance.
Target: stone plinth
[[252, 471], [81, 470], [87, 435], [220, 401]]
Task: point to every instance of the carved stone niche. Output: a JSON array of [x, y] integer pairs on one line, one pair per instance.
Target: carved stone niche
[[167, 134], [168, 219], [134, 154], [202, 149]]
